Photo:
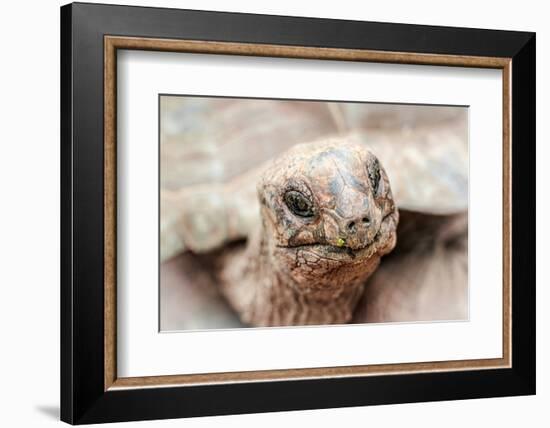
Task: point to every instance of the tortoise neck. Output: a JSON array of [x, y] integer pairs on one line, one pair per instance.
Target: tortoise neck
[[259, 284]]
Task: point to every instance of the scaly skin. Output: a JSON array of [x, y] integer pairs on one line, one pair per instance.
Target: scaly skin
[[328, 216]]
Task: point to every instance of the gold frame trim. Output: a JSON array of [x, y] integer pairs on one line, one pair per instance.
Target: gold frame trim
[[112, 43]]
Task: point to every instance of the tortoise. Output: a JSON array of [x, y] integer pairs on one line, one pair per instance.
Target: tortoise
[[345, 213]]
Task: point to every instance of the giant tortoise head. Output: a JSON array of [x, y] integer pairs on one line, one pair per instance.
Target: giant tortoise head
[[328, 213]]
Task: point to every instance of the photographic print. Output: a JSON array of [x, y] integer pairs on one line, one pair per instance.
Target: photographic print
[[297, 199], [278, 212]]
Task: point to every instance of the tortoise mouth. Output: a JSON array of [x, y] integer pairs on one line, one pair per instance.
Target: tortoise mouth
[[337, 253], [343, 254]]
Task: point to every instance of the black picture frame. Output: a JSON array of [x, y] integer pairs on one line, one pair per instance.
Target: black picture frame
[[83, 396]]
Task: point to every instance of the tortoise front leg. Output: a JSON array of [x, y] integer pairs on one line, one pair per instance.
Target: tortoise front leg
[[205, 217]]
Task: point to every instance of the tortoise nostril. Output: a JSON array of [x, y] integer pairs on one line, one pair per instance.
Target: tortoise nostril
[[357, 225]]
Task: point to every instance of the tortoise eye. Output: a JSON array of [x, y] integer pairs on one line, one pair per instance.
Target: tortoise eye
[[373, 170], [298, 203]]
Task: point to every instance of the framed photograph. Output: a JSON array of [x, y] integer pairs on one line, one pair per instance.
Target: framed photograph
[[266, 213]]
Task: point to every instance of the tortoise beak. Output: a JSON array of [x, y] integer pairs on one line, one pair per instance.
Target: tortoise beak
[[356, 232]]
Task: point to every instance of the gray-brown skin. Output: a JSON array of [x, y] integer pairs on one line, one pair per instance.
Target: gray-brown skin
[[328, 216]]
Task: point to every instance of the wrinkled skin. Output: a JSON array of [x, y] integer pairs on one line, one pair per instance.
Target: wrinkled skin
[[328, 216]]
